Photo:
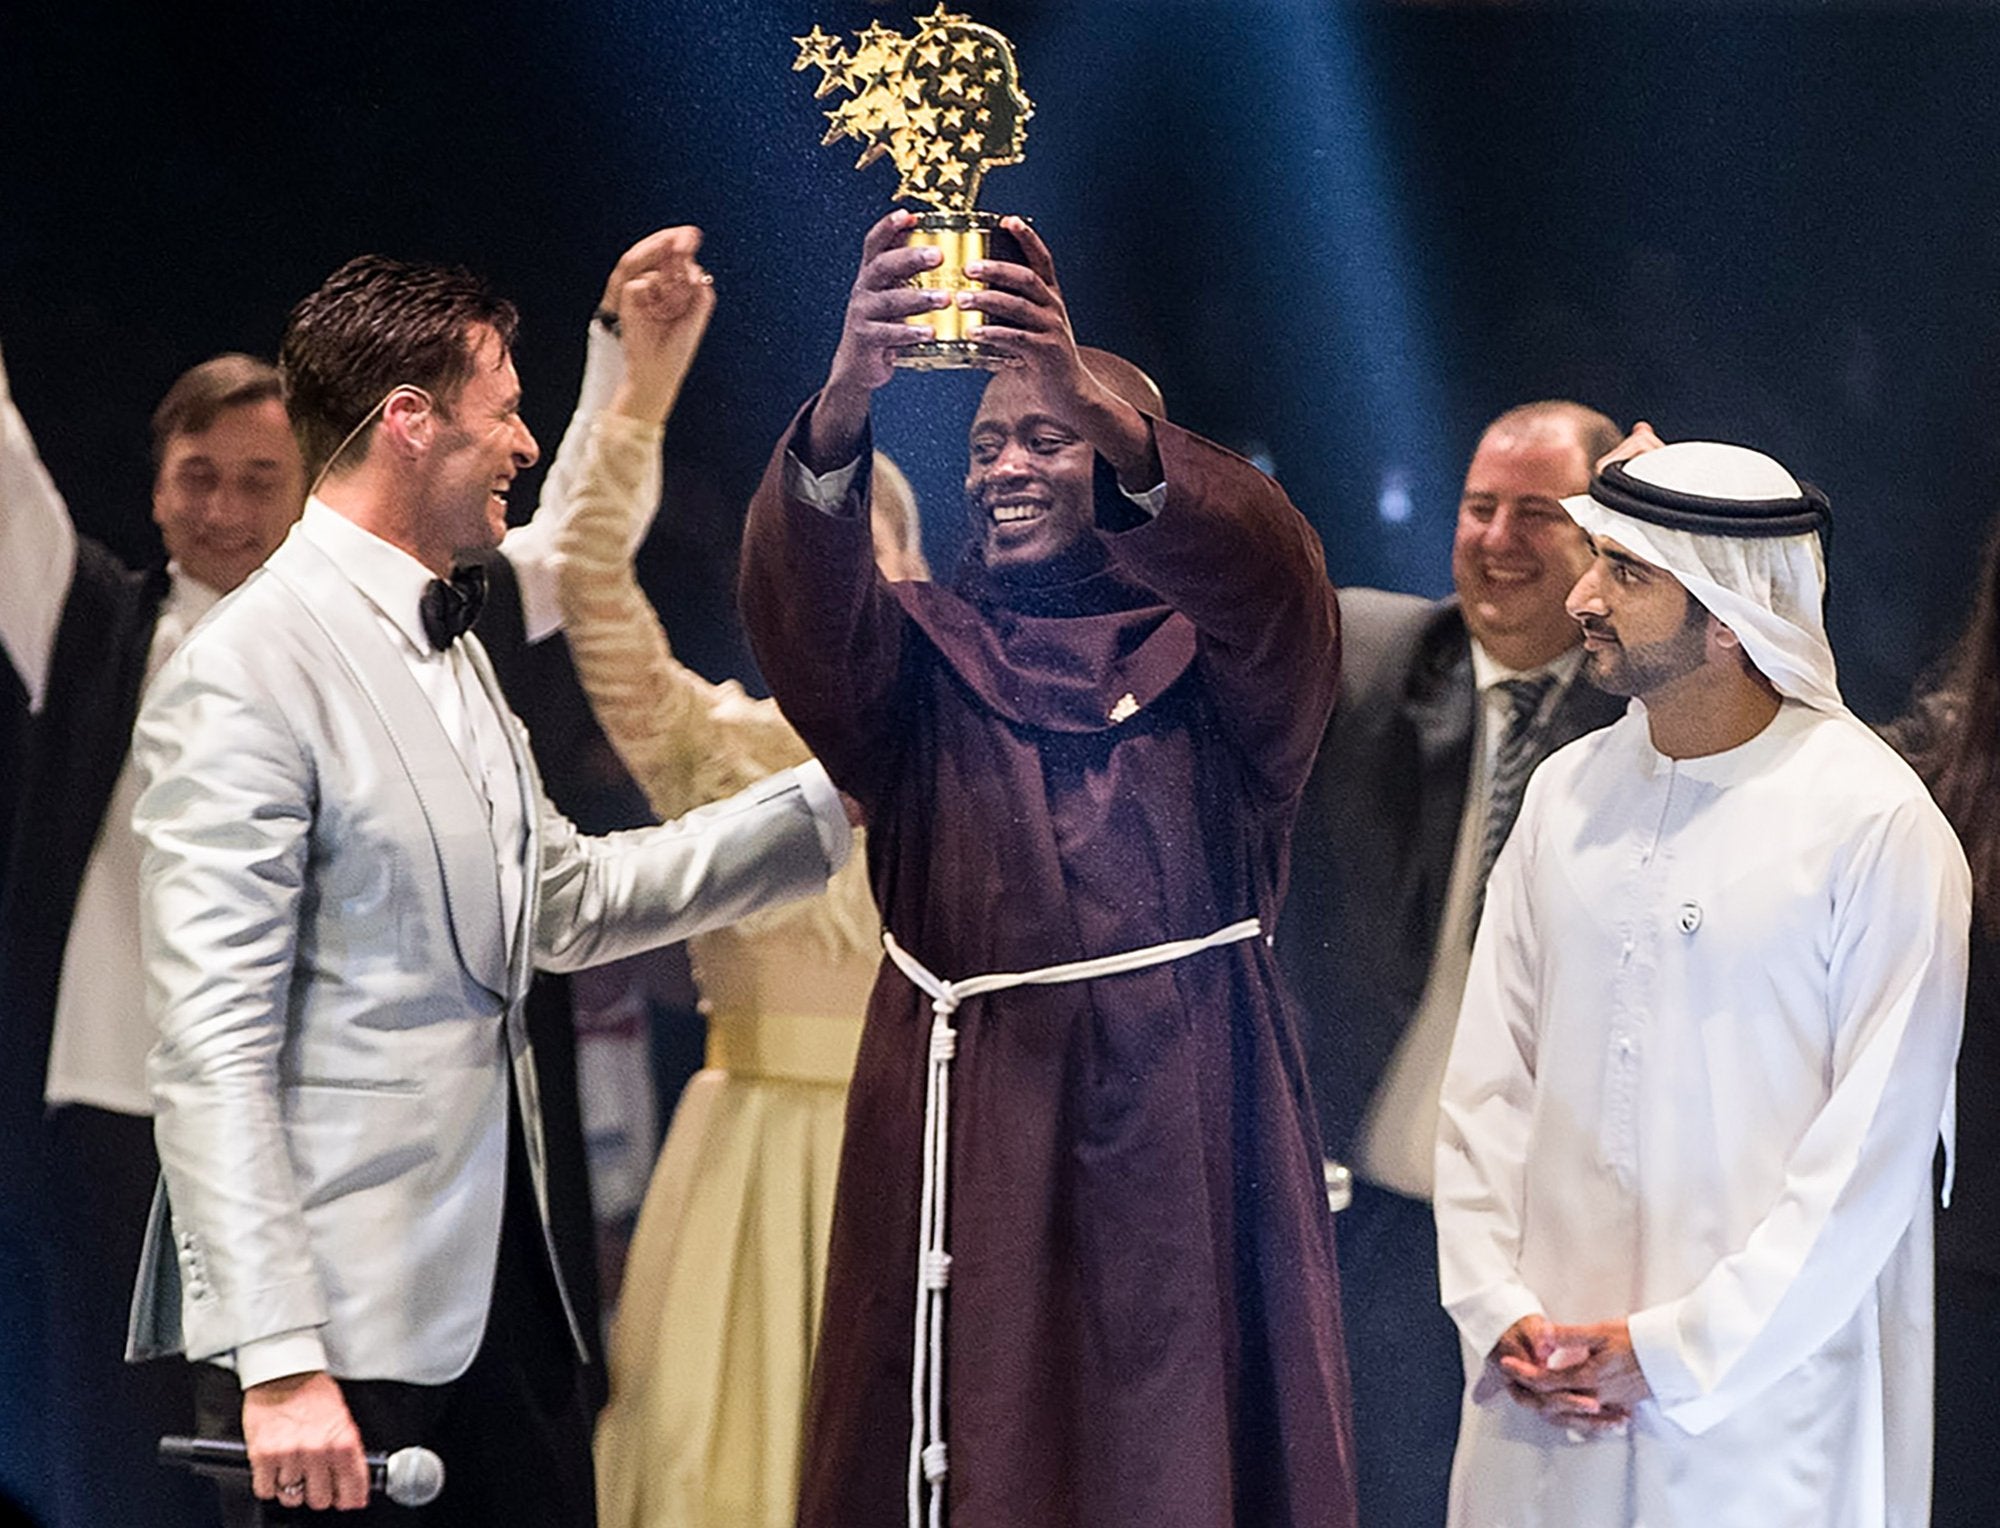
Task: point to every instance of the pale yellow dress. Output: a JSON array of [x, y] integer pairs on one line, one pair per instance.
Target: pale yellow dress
[[713, 1340]]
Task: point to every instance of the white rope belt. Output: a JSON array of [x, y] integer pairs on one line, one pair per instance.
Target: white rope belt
[[927, 1444]]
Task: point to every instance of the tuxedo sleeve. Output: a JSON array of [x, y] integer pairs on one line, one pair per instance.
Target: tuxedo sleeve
[[603, 898], [224, 819]]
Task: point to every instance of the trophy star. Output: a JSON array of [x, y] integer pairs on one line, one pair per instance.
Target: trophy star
[[992, 76], [954, 116], [982, 115], [941, 18], [972, 141], [937, 148], [963, 47], [912, 87], [923, 118], [814, 48], [879, 36], [951, 171], [953, 81], [930, 54]]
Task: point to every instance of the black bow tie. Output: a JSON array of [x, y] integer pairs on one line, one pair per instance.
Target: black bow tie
[[449, 609]]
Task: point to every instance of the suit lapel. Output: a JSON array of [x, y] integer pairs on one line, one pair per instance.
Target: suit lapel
[[465, 860], [1438, 708], [521, 964], [521, 944]]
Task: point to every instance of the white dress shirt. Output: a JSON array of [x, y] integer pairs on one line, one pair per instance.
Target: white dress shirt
[[394, 582], [1398, 1136], [97, 1054]]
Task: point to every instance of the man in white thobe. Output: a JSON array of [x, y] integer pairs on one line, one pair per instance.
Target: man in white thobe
[[1684, 1157]]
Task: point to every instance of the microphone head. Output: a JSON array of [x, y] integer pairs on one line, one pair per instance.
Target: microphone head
[[412, 1477]]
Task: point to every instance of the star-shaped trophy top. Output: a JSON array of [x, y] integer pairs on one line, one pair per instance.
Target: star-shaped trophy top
[[945, 105]]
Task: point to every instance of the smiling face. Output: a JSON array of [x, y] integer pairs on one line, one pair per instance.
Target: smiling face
[[1642, 630], [1516, 552], [1029, 486], [481, 443], [225, 496]]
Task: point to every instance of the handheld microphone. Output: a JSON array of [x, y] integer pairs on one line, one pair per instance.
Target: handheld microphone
[[410, 1477]]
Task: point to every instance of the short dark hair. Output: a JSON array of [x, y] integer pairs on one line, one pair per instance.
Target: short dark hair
[[1595, 433], [202, 392], [373, 325]]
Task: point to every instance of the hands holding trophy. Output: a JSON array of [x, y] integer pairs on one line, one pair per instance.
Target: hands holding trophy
[[944, 106]]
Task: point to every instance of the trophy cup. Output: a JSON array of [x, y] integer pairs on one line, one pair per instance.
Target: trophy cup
[[945, 106]]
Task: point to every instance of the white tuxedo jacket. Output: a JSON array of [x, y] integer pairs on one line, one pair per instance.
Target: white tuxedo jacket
[[336, 1002]]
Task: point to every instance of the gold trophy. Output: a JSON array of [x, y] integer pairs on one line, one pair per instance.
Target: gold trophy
[[945, 105]]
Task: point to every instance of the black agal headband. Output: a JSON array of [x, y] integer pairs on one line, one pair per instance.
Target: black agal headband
[[1616, 489]]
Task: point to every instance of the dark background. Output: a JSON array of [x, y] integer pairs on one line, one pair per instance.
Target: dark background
[[1340, 236]]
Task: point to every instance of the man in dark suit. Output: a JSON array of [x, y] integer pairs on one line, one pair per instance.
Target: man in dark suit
[[1445, 708]]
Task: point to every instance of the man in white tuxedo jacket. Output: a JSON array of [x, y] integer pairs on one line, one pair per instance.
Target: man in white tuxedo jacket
[[349, 874]]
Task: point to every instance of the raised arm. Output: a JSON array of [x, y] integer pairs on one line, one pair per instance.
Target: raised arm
[[667, 255], [826, 631], [686, 740], [1231, 553], [37, 552]]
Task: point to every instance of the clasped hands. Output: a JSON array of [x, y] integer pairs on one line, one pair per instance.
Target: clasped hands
[[1585, 1377]]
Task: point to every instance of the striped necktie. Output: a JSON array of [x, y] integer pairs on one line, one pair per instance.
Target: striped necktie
[[1512, 764]]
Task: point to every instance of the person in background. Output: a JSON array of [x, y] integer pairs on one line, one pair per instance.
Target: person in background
[[712, 1343], [83, 634], [1951, 736], [1446, 707]]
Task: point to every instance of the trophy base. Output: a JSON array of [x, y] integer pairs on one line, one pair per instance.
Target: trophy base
[[953, 343], [952, 355]]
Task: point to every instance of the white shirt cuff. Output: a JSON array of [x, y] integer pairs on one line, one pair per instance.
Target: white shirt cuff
[[829, 492], [1655, 1334], [1485, 1317], [279, 1357], [836, 833]]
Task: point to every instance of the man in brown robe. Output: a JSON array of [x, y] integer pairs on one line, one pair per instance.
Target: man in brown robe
[[1093, 741]]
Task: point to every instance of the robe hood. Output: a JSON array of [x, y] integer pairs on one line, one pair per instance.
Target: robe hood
[[1083, 653]]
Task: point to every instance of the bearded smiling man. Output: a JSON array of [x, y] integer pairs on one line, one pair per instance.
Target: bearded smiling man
[[1685, 1141], [1446, 706]]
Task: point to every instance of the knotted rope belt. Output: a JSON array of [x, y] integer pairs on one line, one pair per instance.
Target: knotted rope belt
[[927, 1442]]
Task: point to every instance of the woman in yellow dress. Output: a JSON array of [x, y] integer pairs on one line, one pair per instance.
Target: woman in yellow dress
[[711, 1347]]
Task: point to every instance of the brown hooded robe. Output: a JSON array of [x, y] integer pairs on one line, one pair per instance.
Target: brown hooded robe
[[1143, 1315]]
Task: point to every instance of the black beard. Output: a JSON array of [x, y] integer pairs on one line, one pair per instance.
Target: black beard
[[1638, 671]]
